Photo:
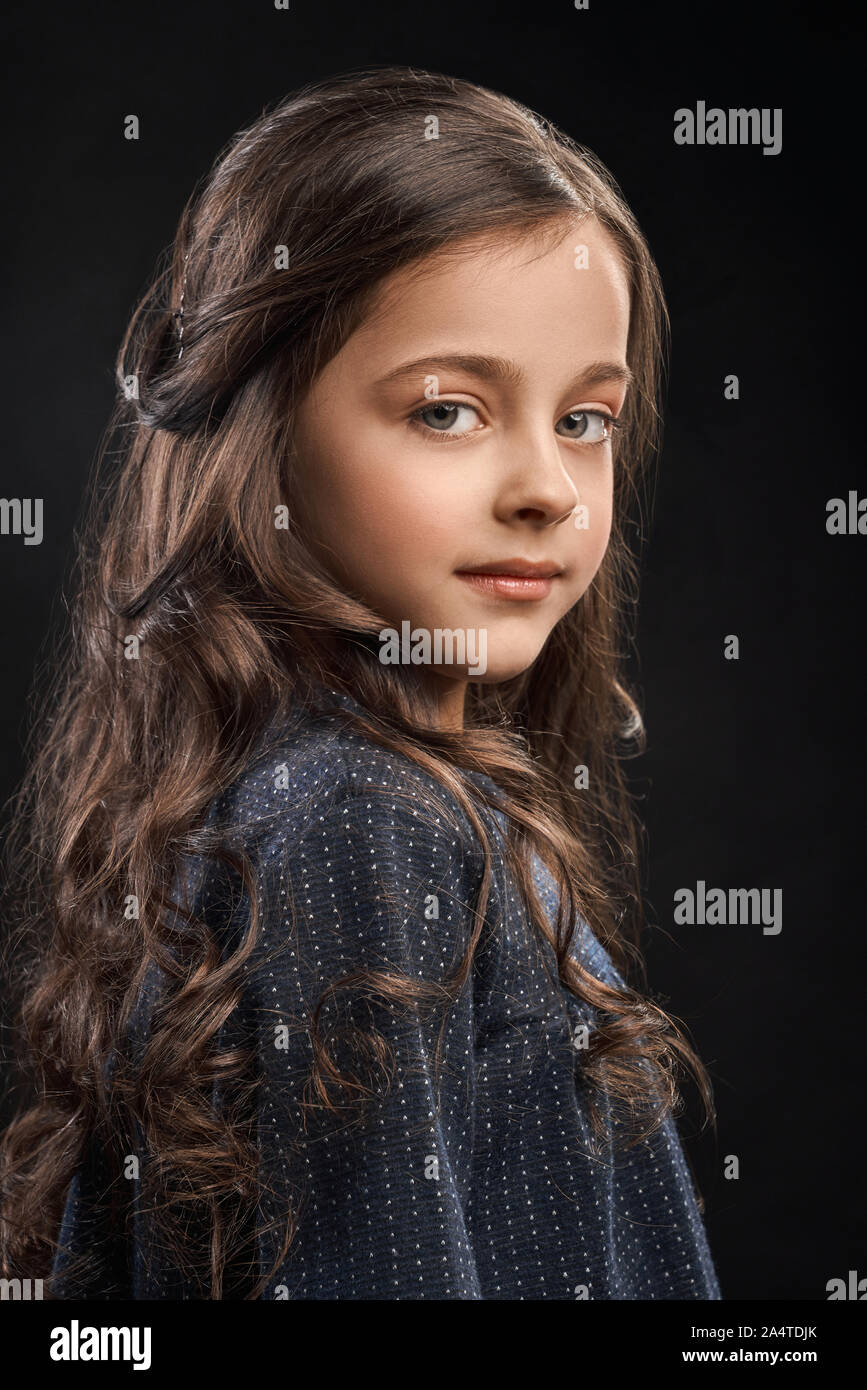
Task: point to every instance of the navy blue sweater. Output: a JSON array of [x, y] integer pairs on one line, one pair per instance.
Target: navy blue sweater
[[473, 1173]]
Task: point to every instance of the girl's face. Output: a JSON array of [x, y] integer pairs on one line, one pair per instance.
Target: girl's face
[[460, 428]]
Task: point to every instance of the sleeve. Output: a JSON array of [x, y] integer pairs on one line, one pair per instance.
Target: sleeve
[[374, 902]]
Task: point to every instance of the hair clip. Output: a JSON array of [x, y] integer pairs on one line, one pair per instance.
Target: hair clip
[[179, 313]]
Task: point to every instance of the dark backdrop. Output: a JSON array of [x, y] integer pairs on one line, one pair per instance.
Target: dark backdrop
[[755, 768]]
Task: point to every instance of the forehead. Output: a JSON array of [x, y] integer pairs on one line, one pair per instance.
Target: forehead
[[559, 289]]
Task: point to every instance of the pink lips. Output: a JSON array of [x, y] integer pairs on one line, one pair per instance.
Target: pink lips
[[513, 579]]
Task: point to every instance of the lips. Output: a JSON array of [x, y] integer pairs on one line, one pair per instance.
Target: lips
[[516, 579], [516, 568]]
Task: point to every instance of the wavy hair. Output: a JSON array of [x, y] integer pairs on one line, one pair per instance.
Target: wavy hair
[[278, 256]]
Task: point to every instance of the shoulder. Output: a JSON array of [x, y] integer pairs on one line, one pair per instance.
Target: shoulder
[[586, 947], [314, 781], [362, 858]]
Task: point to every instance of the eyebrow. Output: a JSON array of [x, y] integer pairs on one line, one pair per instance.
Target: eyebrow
[[500, 369]]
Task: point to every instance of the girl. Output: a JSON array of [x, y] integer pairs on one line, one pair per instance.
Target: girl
[[325, 856]]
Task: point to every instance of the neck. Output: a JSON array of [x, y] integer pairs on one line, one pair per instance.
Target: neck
[[451, 694]]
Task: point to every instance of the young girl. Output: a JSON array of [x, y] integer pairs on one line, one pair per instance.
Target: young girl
[[325, 856]]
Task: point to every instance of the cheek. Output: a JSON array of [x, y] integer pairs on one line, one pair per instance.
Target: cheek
[[595, 491], [391, 509], [386, 517]]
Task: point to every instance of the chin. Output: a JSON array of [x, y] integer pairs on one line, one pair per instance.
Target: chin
[[499, 671]]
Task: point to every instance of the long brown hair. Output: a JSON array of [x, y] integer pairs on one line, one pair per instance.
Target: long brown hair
[[232, 617]]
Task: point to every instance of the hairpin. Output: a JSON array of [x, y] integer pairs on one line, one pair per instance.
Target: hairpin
[[179, 313]]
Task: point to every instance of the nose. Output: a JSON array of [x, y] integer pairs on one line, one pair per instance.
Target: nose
[[535, 485]]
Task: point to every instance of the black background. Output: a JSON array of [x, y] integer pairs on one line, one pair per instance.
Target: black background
[[755, 768]]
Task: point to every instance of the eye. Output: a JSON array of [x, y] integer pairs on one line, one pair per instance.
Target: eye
[[587, 423], [442, 415], [591, 428]]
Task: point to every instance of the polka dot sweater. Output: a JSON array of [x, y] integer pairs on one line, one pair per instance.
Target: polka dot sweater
[[471, 1170]]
